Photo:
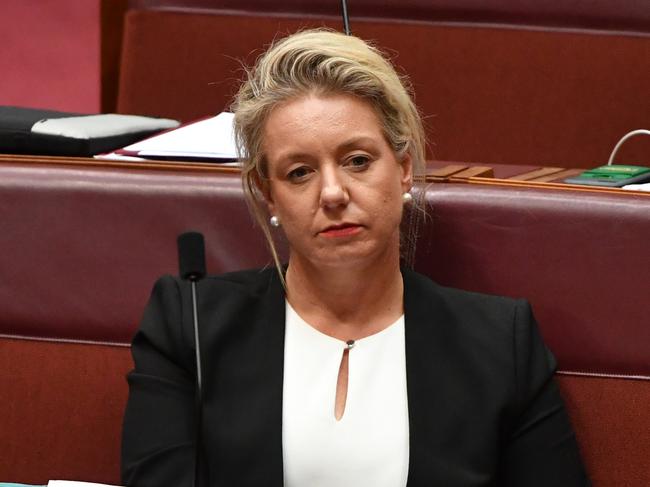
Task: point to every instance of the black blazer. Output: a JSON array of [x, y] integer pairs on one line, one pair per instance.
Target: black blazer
[[483, 407]]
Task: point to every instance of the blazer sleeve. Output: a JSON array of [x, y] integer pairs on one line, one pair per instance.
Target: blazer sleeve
[[541, 449], [158, 438]]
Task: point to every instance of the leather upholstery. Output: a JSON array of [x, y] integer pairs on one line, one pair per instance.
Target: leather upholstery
[[62, 407], [492, 89], [93, 241], [598, 14], [581, 260], [84, 243]]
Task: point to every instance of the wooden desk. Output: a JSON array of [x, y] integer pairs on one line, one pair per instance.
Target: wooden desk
[[512, 175]]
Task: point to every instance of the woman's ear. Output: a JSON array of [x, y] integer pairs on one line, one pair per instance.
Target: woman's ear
[[406, 167], [264, 188], [271, 207]]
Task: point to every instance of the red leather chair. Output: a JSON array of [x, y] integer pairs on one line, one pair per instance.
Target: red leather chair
[[544, 83], [84, 242]]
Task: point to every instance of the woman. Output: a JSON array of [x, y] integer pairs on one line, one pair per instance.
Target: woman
[[342, 368]]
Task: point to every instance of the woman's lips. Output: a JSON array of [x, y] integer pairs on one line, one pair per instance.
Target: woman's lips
[[344, 230]]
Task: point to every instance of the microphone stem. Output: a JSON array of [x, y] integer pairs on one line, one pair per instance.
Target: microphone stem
[[346, 19], [199, 385], [195, 315]]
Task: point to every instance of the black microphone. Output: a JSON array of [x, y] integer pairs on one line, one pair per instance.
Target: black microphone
[[346, 19], [191, 264], [191, 256]]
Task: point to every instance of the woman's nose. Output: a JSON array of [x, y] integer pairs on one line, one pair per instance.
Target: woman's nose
[[333, 191]]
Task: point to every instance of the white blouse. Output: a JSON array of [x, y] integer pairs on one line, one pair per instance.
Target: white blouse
[[370, 443]]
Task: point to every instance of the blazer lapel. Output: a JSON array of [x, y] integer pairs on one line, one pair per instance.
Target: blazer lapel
[[247, 414], [258, 412], [423, 365]]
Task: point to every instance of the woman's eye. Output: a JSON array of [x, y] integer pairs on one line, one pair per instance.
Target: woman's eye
[[298, 173], [359, 162]]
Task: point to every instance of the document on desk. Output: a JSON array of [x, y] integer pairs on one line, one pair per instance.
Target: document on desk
[[638, 187], [209, 139]]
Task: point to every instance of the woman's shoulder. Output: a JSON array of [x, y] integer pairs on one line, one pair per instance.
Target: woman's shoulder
[[475, 321], [224, 293], [498, 334], [226, 300], [249, 281], [421, 290]]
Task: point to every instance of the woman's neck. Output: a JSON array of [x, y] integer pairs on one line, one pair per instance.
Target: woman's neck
[[349, 303]]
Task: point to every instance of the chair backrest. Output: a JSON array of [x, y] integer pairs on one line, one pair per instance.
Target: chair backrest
[[582, 260], [544, 83], [82, 246], [85, 242]]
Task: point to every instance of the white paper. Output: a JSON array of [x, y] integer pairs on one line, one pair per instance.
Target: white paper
[[112, 156], [73, 483], [211, 138], [638, 187]]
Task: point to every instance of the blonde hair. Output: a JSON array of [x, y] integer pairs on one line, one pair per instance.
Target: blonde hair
[[323, 62]]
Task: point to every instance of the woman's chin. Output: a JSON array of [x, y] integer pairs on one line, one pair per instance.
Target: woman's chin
[[349, 258]]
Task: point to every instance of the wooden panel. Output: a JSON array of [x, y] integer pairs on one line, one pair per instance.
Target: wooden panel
[[474, 171], [435, 174], [537, 173], [559, 176]]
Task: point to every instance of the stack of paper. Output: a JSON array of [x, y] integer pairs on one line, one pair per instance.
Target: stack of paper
[[210, 139]]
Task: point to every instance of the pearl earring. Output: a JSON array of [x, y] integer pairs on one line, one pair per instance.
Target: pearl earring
[[274, 221], [407, 197]]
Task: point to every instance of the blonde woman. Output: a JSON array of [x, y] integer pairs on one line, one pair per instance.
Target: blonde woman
[[341, 368]]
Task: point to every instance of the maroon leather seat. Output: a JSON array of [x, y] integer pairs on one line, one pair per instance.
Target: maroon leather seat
[[582, 260], [86, 241], [82, 247], [544, 83]]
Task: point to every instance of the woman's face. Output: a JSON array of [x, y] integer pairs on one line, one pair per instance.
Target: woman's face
[[334, 181]]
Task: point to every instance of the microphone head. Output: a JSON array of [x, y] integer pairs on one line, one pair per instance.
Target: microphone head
[[191, 256]]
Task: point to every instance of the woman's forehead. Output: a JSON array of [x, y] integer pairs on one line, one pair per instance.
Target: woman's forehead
[[336, 121]]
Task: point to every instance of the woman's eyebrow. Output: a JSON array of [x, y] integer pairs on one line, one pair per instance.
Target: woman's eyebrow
[[353, 142], [292, 156]]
